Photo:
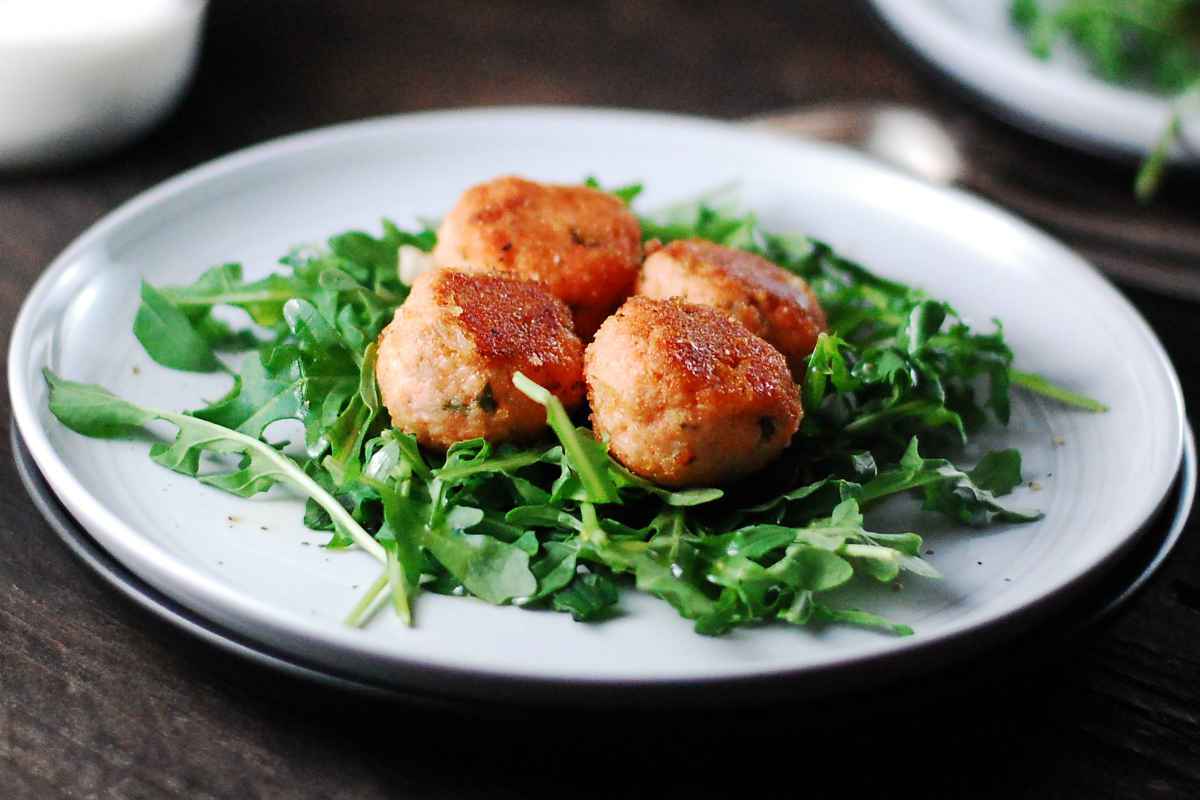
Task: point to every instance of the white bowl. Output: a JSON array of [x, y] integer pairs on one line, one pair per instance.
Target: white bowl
[[78, 78]]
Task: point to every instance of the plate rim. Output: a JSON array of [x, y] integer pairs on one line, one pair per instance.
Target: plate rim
[[93, 555], [481, 679], [971, 62], [116, 575]]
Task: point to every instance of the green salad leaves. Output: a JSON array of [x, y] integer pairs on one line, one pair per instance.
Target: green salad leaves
[[892, 393], [1154, 43]]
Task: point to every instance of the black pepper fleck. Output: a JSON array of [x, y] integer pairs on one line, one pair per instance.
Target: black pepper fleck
[[486, 400]]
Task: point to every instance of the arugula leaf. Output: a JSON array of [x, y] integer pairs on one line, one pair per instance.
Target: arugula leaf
[[853, 616], [260, 396], [998, 472], [675, 498], [826, 364], [458, 469], [626, 194], [589, 597], [813, 569], [349, 430], [555, 569], [93, 410], [168, 336], [86, 408], [489, 569], [544, 516], [953, 492], [659, 578], [581, 452], [263, 299]]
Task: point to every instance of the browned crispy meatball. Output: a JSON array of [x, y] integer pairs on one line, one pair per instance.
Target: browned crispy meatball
[[583, 245], [685, 396], [770, 301], [446, 361]]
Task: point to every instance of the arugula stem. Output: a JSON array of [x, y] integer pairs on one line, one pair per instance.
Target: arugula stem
[[359, 614], [228, 298], [1150, 173], [1032, 382], [289, 471], [871, 492], [871, 551], [504, 464], [395, 577], [677, 528], [596, 485], [868, 421], [591, 533]]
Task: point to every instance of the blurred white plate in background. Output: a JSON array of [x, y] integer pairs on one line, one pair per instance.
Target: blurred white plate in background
[[245, 563], [974, 43]]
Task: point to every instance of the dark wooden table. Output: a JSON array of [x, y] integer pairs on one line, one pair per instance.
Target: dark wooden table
[[98, 699]]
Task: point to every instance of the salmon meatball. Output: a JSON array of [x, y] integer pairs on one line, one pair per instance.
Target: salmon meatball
[[770, 301], [445, 362], [582, 244], [685, 396]]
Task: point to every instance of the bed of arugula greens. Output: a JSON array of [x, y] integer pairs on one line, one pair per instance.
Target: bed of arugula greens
[[892, 392], [1155, 43]]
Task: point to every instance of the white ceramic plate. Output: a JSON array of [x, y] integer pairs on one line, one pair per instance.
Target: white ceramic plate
[[250, 566], [974, 43]]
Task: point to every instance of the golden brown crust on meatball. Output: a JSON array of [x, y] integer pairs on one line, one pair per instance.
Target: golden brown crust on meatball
[[685, 396], [582, 244], [509, 321], [446, 361], [770, 301]]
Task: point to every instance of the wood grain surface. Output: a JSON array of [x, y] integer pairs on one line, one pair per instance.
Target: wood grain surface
[[100, 700]]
